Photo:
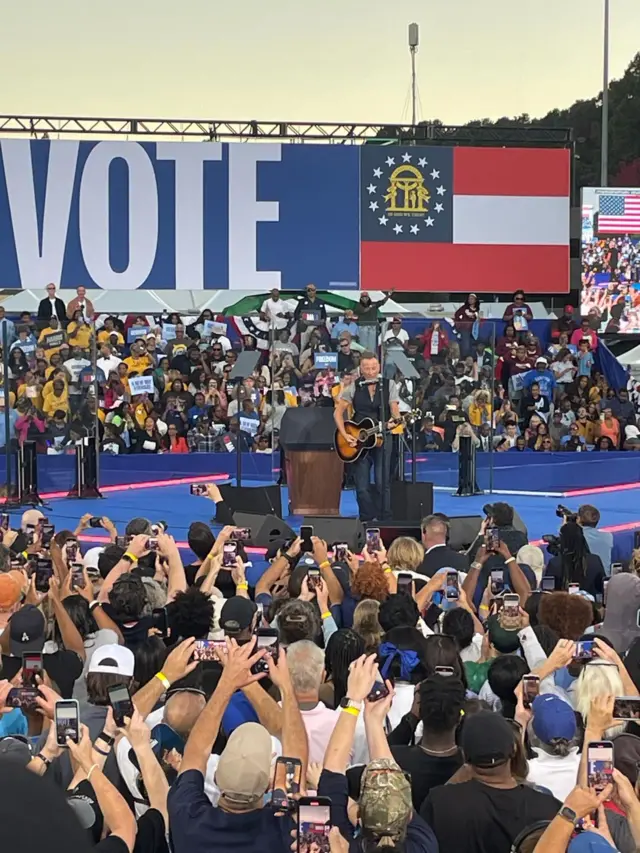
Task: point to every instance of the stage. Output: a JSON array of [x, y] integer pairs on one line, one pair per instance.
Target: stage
[[168, 501]]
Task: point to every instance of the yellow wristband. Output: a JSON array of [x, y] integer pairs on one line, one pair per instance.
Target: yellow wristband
[[243, 585], [355, 712], [163, 678], [325, 615], [325, 564], [387, 571], [484, 607], [129, 556]]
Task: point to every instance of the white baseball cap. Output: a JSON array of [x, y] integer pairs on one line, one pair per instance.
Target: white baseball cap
[[113, 660]]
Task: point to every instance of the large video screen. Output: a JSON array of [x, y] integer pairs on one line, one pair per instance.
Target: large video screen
[[611, 258]]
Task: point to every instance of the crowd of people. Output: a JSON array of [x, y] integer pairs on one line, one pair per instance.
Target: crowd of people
[[167, 385], [610, 279], [415, 699]]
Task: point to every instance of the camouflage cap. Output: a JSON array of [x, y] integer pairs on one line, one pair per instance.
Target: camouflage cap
[[385, 800]]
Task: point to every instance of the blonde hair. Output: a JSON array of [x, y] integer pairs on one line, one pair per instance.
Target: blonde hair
[[405, 553], [365, 623], [597, 679], [634, 562]]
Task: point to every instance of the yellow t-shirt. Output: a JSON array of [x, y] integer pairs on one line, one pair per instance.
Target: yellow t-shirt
[[79, 334], [52, 403], [48, 331], [104, 336], [138, 363]]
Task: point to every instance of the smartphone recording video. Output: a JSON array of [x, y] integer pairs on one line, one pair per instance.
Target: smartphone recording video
[[573, 588], [121, 703], [626, 708], [95, 521], [48, 532], [530, 689], [306, 532], [241, 534], [585, 650], [31, 668], [548, 583], [405, 583], [229, 554], [372, 539], [497, 582], [23, 698], [378, 691], [452, 587], [314, 824], [152, 544], [198, 489], [43, 572], [313, 579], [492, 539], [340, 552], [599, 764], [77, 576], [67, 721], [71, 550], [208, 649], [267, 638], [286, 783]]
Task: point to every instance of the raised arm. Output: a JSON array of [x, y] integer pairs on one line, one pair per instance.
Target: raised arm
[[362, 676]]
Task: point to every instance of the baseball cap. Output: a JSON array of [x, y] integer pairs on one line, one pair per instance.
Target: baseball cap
[[503, 640], [237, 615], [26, 630], [15, 749], [487, 739], [10, 589], [244, 769], [113, 660], [541, 360], [626, 755], [92, 557], [568, 309], [552, 718], [385, 800], [589, 842]]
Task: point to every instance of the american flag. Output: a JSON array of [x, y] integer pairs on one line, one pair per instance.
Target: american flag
[[619, 214]]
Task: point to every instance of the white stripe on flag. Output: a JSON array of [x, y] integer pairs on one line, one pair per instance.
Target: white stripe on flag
[[511, 220]]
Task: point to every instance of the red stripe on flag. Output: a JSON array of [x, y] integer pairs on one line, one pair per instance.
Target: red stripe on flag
[[463, 268], [511, 171]]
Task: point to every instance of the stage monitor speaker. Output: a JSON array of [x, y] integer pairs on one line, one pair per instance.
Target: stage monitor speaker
[[265, 529], [463, 529], [332, 530], [411, 501], [263, 500]]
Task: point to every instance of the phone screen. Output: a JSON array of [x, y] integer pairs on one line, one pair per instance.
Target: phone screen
[[267, 639], [71, 549], [511, 607], [605, 584], [497, 582], [573, 588], [452, 588], [405, 580], [373, 539], [121, 703], [206, 649], [585, 650], [161, 621], [5, 521], [600, 764], [30, 534], [530, 689], [229, 553], [44, 571], [548, 583], [77, 576], [340, 552], [626, 708], [306, 532], [67, 721], [492, 538], [241, 534], [198, 489], [31, 667], [286, 782], [314, 825], [313, 579], [22, 697]]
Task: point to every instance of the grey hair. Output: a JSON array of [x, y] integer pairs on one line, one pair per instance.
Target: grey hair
[[156, 595], [306, 665], [597, 679]]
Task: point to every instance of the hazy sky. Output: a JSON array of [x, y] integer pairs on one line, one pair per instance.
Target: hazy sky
[[308, 60]]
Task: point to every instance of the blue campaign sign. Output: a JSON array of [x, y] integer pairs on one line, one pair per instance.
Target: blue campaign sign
[[175, 215], [325, 360]]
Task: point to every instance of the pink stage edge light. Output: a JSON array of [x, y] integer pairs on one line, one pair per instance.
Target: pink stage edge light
[[147, 484], [600, 490]]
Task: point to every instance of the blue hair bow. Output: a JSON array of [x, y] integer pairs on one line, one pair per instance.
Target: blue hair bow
[[409, 660]]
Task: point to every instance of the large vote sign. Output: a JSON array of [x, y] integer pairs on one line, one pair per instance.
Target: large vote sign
[[250, 216]]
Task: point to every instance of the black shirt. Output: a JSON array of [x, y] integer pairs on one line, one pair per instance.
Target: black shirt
[[427, 771], [442, 557], [475, 818], [592, 581], [63, 668]]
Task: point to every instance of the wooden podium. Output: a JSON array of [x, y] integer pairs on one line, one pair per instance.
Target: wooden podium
[[314, 470]]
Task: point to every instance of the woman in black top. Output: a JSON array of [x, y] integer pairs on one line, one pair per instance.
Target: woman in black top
[[575, 563], [148, 440]]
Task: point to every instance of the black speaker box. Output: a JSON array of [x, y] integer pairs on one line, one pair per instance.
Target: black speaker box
[[335, 529], [463, 529], [263, 500], [411, 501], [265, 529]]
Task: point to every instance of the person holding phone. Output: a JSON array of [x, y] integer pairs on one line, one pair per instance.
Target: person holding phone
[[553, 729], [371, 396], [243, 774]]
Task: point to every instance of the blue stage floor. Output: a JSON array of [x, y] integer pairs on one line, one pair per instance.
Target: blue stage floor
[[620, 510]]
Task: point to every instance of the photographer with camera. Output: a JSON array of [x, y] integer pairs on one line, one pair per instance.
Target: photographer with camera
[[572, 562], [599, 541]]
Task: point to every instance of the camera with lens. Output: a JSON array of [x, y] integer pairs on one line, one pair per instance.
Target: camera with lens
[[553, 544], [566, 514]]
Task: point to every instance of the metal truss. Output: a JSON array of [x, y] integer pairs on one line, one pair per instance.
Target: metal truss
[[48, 127]]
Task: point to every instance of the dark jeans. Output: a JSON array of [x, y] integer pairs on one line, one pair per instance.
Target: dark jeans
[[372, 503]]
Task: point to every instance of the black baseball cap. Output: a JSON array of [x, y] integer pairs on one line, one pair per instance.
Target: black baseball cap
[[487, 739], [237, 615], [26, 630]]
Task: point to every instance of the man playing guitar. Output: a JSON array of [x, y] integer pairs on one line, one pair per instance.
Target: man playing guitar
[[365, 395]]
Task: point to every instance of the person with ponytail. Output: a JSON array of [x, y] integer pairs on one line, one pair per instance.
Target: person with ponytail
[[575, 563]]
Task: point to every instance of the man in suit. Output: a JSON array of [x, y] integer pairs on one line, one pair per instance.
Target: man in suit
[[51, 306], [437, 554]]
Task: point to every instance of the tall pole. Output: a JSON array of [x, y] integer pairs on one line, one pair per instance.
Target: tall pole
[[414, 38], [604, 148]]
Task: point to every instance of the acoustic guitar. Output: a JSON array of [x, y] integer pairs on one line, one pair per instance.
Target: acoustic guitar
[[368, 435]]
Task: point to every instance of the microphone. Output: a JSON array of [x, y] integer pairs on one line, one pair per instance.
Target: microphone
[[371, 381]]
